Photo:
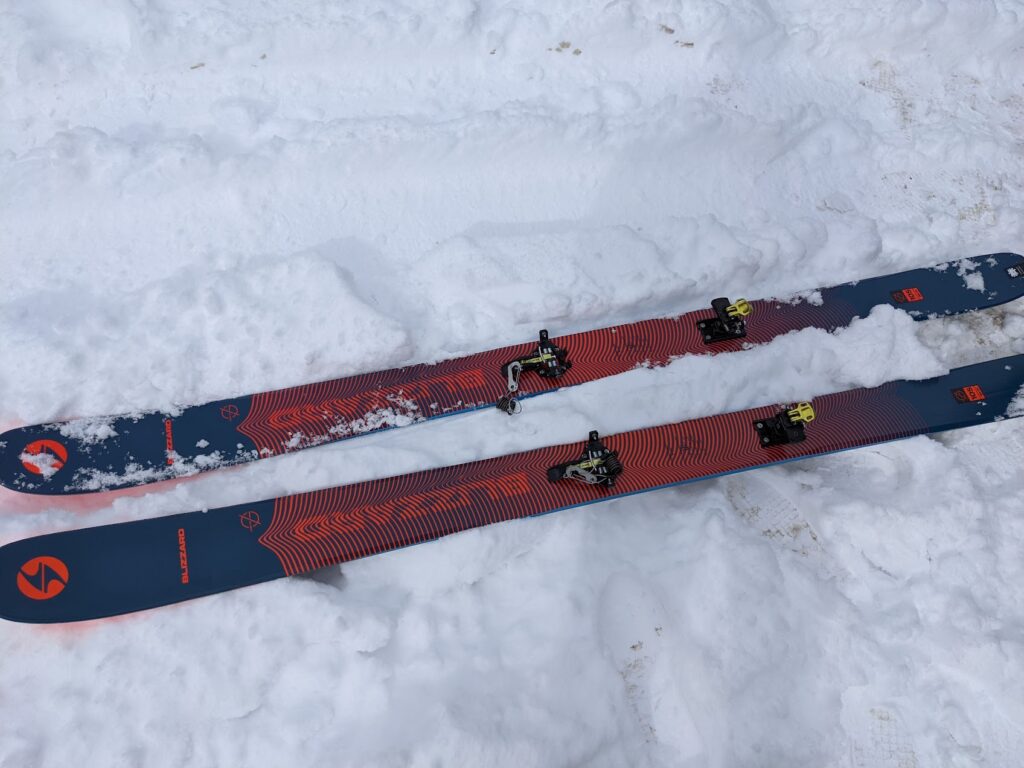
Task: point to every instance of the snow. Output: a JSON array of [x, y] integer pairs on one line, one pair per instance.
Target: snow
[[201, 200]]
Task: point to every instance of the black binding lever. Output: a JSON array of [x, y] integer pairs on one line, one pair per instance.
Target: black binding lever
[[728, 322], [548, 360], [597, 465], [787, 426]]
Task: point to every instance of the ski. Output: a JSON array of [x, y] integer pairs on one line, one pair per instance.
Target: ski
[[99, 454], [114, 569]]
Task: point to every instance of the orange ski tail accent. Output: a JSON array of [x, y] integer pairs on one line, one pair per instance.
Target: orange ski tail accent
[[970, 394], [907, 296]]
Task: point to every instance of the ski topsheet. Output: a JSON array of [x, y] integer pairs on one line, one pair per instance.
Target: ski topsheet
[[98, 454], [113, 569]]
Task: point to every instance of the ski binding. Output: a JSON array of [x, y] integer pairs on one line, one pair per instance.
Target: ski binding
[[728, 323], [597, 465], [785, 427], [549, 360]]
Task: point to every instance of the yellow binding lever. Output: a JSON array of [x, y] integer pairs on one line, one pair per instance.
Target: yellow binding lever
[[741, 308], [801, 413]]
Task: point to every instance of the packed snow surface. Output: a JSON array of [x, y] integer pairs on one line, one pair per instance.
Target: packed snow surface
[[205, 199]]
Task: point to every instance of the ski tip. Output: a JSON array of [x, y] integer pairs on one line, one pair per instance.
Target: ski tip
[[53, 578], [31, 459], [28, 581], [40, 460], [17, 452]]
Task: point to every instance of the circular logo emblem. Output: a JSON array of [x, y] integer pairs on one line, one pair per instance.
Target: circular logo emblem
[[44, 457], [250, 520], [42, 578], [229, 412]]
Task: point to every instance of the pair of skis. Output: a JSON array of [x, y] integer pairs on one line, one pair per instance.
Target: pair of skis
[[79, 574]]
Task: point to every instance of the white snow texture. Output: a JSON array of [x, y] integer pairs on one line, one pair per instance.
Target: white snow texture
[[205, 199]]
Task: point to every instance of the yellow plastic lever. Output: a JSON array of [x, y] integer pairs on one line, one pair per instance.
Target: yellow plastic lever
[[801, 412], [741, 308]]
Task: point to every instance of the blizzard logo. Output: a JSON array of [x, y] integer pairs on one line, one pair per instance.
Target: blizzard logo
[[438, 502], [314, 417], [311, 530], [182, 556], [169, 441], [907, 295], [1017, 270], [971, 394]]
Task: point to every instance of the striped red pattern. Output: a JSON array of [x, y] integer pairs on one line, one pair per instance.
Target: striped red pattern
[[316, 529], [295, 418]]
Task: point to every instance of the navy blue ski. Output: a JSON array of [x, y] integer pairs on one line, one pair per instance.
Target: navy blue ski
[[99, 454], [96, 572]]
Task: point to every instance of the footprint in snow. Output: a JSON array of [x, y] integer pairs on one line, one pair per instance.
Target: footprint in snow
[[634, 628]]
